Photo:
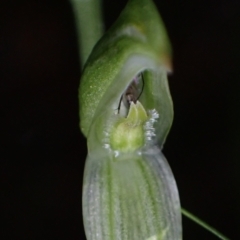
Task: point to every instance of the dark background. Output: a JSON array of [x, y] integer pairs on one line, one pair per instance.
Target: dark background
[[42, 152]]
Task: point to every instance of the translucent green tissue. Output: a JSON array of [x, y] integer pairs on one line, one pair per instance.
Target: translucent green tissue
[[126, 111]]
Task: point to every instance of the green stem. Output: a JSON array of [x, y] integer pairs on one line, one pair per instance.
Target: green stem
[[89, 24], [203, 224]]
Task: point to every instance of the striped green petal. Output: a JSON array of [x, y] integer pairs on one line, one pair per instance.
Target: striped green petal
[[130, 197]]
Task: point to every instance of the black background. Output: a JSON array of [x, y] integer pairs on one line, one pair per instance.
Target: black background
[[42, 152]]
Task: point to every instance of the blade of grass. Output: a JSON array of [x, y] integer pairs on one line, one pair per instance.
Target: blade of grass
[[203, 224]]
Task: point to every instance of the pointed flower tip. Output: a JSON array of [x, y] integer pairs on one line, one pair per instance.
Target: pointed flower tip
[[166, 61]]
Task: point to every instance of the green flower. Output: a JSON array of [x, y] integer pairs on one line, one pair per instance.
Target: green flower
[[126, 111]]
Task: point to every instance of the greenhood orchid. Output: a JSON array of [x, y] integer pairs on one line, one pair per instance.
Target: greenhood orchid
[[126, 111]]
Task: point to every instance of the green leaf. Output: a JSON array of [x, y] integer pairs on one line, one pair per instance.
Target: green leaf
[[203, 224]]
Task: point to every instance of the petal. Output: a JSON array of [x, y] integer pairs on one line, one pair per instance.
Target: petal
[[130, 197]]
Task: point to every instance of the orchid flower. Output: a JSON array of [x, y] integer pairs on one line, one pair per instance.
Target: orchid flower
[[126, 111]]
